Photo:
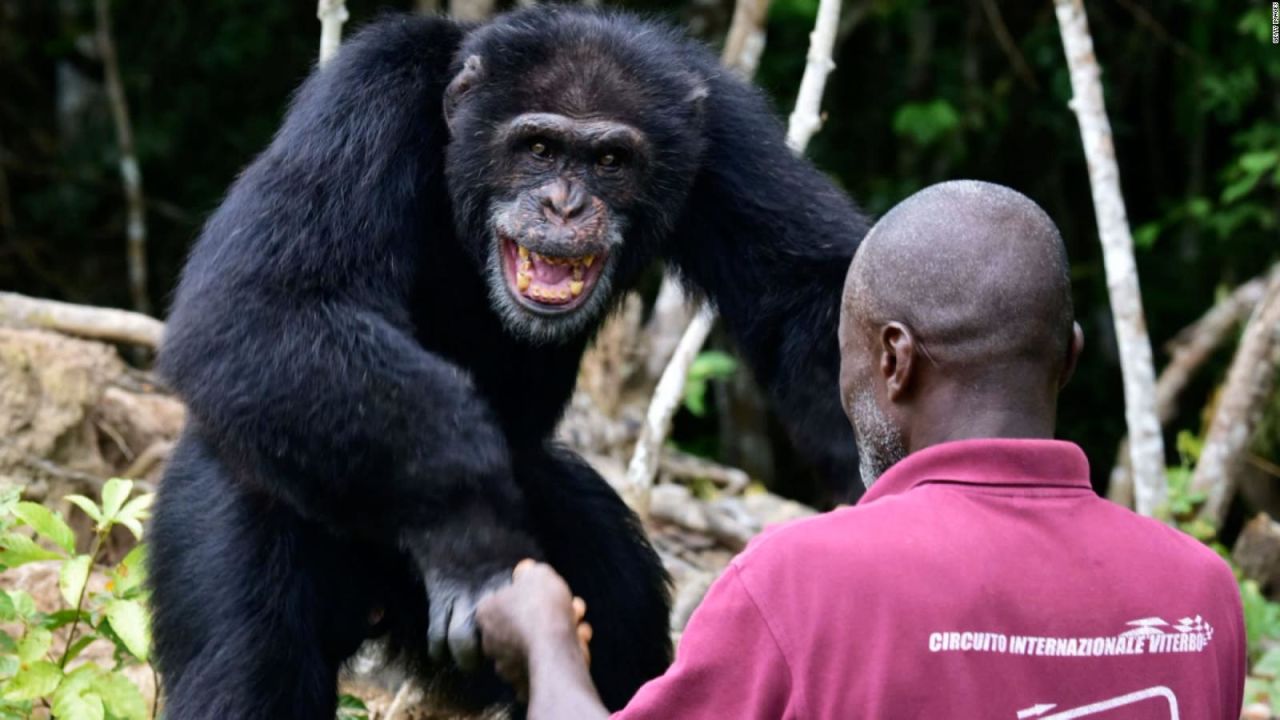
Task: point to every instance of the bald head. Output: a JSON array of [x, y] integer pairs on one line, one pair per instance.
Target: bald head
[[977, 270], [960, 290]]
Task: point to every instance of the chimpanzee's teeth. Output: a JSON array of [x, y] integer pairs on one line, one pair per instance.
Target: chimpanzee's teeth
[[525, 276]]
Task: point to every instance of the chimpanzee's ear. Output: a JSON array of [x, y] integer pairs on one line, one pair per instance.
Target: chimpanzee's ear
[[472, 74]]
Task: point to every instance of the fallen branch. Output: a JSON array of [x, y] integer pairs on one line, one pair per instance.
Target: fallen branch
[[1137, 370], [98, 323], [1188, 351], [682, 465], [156, 453], [1249, 383]]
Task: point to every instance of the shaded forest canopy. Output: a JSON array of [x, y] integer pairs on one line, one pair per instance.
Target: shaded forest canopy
[[921, 92]]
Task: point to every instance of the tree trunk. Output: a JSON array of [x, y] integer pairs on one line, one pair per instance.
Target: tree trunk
[[130, 174], [1145, 439], [332, 14]]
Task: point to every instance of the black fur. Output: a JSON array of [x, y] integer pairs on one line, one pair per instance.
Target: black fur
[[361, 417]]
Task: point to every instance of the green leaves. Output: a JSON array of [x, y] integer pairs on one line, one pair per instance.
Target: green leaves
[[34, 645], [17, 550], [114, 510], [33, 681], [75, 698], [73, 577], [129, 621], [351, 707], [34, 668], [709, 365], [926, 123], [1248, 170], [47, 524], [90, 693], [130, 574]]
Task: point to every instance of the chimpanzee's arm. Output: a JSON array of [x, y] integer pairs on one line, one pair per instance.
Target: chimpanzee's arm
[[291, 339], [769, 239]]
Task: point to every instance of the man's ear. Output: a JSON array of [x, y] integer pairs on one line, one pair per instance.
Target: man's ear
[[472, 74], [897, 359], [1074, 349]]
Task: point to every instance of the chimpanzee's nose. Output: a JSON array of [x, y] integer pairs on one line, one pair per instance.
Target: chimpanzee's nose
[[566, 200]]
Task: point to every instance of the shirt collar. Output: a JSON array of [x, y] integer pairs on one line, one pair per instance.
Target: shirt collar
[[987, 461]]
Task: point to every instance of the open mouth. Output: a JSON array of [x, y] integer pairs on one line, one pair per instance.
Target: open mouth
[[548, 284]]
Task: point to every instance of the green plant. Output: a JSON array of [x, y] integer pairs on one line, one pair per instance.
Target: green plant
[[351, 707], [39, 671], [709, 365]]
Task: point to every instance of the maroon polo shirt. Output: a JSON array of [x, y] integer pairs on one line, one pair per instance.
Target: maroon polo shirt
[[976, 579]]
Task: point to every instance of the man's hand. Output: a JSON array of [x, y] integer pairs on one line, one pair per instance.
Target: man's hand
[[536, 616], [451, 628]]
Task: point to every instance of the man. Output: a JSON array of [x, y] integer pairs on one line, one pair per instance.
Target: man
[[980, 576]]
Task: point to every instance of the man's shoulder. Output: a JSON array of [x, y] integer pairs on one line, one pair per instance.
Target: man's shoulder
[[1145, 536], [853, 535]]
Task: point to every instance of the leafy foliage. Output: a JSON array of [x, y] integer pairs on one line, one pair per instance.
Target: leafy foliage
[[39, 670], [709, 365]]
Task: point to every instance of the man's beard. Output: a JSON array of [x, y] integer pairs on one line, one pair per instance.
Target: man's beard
[[879, 442]]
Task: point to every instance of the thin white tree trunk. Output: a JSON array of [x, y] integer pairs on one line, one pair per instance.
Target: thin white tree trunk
[[332, 14], [1250, 381], [666, 398], [130, 174], [657, 422], [1146, 443], [744, 43], [806, 118]]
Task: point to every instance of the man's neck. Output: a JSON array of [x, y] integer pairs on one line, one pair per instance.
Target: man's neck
[[957, 413]]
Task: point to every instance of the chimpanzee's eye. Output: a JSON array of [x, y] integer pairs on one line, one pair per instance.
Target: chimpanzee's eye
[[609, 161], [540, 149]]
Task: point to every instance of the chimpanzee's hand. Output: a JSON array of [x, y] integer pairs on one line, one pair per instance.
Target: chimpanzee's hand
[[451, 629]]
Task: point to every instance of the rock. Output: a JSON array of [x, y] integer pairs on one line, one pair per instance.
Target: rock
[[131, 423], [48, 385]]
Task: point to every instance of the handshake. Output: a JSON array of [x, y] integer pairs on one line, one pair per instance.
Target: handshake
[[533, 621]]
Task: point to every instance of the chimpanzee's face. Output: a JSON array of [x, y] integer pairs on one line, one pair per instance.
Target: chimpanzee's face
[[565, 175], [558, 219]]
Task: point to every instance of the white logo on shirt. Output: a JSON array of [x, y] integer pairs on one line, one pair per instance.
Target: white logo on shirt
[[1147, 636], [1097, 708]]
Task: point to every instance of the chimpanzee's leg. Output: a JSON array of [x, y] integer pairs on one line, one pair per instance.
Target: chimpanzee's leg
[[254, 607]]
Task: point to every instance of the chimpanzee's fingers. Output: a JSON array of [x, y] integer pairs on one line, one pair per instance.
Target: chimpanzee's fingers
[[464, 637], [438, 627]]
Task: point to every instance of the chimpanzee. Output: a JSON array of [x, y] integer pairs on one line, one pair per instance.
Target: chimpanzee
[[379, 328]]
